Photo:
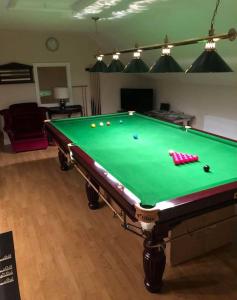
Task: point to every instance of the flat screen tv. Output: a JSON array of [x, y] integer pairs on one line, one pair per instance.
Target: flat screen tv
[[140, 100]]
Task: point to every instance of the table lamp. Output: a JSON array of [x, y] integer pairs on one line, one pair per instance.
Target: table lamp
[[61, 94]]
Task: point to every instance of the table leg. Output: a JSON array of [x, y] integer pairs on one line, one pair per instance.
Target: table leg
[[154, 261], [92, 195], [63, 161]]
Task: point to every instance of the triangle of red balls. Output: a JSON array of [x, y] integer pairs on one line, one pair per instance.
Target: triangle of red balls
[[183, 158]]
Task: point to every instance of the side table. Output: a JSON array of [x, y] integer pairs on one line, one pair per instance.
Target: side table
[[68, 110]]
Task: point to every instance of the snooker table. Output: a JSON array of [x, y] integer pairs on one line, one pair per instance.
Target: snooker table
[[129, 161]]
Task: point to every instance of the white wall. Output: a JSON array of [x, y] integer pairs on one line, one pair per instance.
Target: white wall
[[208, 97], [111, 84], [29, 47], [201, 95]]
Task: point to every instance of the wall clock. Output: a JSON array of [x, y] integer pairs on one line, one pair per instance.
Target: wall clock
[[52, 44]]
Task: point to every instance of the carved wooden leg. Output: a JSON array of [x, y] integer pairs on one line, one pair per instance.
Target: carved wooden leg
[[154, 261], [92, 195], [63, 161]]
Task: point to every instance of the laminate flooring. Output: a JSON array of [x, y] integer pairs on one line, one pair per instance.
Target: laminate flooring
[[65, 251]]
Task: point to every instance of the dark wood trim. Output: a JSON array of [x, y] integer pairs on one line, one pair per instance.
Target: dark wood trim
[[154, 259], [59, 138], [92, 195]]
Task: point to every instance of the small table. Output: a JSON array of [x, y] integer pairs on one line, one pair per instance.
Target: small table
[[172, 116], [68, 110]]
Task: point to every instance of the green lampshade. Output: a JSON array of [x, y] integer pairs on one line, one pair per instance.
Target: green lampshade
[[136, 65], [115, 66], [209, 61], [99, 66], [166, 64]]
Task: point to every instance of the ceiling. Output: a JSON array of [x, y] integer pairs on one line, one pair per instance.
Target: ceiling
[[123, 22]]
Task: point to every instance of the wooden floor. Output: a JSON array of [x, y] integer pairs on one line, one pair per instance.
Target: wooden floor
[[65, 251]]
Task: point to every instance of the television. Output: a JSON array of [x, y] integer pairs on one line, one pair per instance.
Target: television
[[140, 100]]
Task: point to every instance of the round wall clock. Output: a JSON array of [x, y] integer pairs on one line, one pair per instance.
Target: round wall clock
[[52, 44]]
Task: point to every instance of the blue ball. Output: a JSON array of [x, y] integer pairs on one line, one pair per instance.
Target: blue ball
[[135, 136]]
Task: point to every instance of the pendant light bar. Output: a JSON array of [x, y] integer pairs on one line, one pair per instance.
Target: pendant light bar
[[231, 36], [208, 61]]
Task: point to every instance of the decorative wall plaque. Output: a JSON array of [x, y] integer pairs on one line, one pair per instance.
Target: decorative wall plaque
[[16, 73]]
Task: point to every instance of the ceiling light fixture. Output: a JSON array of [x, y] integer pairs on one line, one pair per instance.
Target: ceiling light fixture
[[116, 65], [99, 66], [136, 65], [210, 60], [166, 63]]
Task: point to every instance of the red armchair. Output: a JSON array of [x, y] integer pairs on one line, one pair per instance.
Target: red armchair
[[24, 124]]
